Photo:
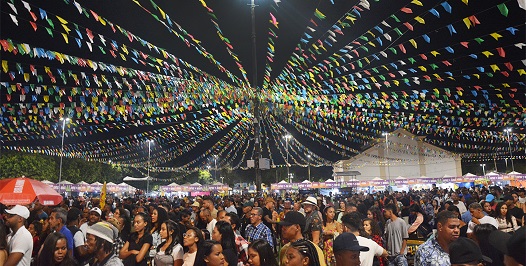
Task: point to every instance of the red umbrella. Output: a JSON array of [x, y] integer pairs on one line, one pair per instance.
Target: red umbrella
[[23, 191]]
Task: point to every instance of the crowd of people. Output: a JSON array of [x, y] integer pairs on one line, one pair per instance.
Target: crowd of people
[[477, 226]]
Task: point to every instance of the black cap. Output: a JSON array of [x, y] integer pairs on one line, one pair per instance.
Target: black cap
[[507, 197], [465, 250], [347, 241], [293, 217], [73, 214], [248, 204]]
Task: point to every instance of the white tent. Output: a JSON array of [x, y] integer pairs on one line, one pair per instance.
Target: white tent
[[129, 178], [306, 182], [82, 183], [65, 182], [47, 182], [283, 182], [514, 173], [96, 184], [492, 174], [469, 175], [173, 184]]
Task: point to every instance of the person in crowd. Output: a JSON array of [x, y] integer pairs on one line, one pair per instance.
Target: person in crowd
[[94, 217], [436, 206], [194, 217], [313, 226], [19, 241], [3, 244], [465, 251], [241, 243], [396, 236], [457, 202], [158, 216], [481, 235], [487, 209], [35, 228], [341, 210], [435, 251], [191, 240], [57, 222], [373, 230], [208, 204], [352, 223], [221, 215], [287, 206], [73, 219], [229, 205], [256, 229], [478, 217], [245, 218], [420, 226], [260, 254], [224, 234], [512, 202], [99, 242], [490, 198], [512, 246], [463, 226], [374, 213], [210, 253], [206, 217], [121, 221], [136, 249], [169, 252], [297, 207], [507, 222], [347, 250], [292, 227], [331, 229], [55, 251], [302, 253]]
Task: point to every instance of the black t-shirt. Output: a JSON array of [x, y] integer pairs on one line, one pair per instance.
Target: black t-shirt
[[267, 212], [518, 213], [130, 260]]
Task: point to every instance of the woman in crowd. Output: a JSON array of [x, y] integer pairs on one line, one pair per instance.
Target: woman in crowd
[[481, 234], [486, 206], [210, 253], [420, 226], [463, 226], [331, 229], [507, 222], [436, 206], [224, 234], [191, 240], [159, 215], [374, 213], [136, 249], [55, 251], [260, 254], [373, 230], [340, 211], [35, 228], [302, 253], [3, 245], [169, 252]]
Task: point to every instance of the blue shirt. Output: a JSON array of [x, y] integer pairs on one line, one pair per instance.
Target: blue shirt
[[69, 238], [431, 253], [260, 231]]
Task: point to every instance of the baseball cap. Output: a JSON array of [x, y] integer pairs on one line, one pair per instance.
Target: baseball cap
[[248, 204], [465, 250], [511, 245], [74, 214], [19, 210], [507, 197], [97, 210], [311, 200], [196, 204], [102, 230], [293, 217], [347, 241], [490, 198]]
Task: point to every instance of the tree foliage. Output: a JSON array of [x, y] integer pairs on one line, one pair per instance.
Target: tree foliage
[[36, 166]]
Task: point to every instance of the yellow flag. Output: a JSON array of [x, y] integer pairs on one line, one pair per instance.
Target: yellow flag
[[103, 196]]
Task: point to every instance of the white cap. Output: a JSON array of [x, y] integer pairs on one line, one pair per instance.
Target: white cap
[[311, 200], [20, 211], [97, 210]]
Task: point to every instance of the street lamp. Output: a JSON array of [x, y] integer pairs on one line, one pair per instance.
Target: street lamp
[[64, 121], [150, 141], [508, 131], [287, 138], [483, 168], [222, 177], [290, 178], [215, 167], [387, 155], [308, 166]]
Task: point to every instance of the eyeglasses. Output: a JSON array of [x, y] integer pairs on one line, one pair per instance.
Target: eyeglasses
[[185, 235]]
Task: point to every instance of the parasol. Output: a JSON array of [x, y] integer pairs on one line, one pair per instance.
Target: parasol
[[23, 191]]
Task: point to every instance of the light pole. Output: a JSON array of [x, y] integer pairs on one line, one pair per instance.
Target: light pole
[[483, 168], [287, 138], [508, 131], [387, 156], [215, 168], [64, 121], [222, 177], [150, 141], [256, 101], [308, 166]]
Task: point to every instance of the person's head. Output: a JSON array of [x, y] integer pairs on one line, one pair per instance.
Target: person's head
[[302, 253], [73, 217], [352, 222], [508, 200], [347, 250], [54, 250], [35, 228], [256, 215], [159, 215], [476, 210], [270, 203], [328, 214], [390, 211], [454, 197], [465, 251], [515, 196], [247, 207], [371, 227], [287, 205], [512, 246], [233, 220], [208, 204], [310, 204], [169, 230], [94, 216], [16, 216], [260, 253], [141, 222], [342, 205], [296, 206], [454, 209], [205, 215], [292, 225], [58, 218], [415, 208], [481, 233], [209, 253], [350, 207], [193, 236], [100, 238], [224, 234], [486, 206], [448, 226], [502, 209], [221, 215]]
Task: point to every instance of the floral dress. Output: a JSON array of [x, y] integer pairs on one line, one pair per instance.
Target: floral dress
[[330, 231]]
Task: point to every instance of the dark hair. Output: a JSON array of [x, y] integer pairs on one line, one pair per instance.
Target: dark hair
[[324, 214], [377, 214], [38, 227], [353, 221], [47, 254], [443, 216], [106, 246], [146, 218], [264, 250], [392, 208], [234, 219], [307, 249], [170, 226], [126, 229], [162, 216], [375, 228], [203, 251], [228, 240], [3, 238], [499, 215]]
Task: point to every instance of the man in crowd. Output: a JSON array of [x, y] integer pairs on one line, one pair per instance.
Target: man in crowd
[[465, 251], [19, 241], [245, 219], [195, 212], [241, 243], [347, 250], [479, 217], [297, 207], [396, 236], [512, 201], [57, 222], [256, 229], [287, 206], [80, 251], [93, 218], [292, 227], [313, 224], [457, 202], [99, 240], [210, 222], [435, 251], [209, 205], [352, 223], [229, 205]]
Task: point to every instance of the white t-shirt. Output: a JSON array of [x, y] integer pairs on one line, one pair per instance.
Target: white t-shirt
[[484, 220], [231, 208], [461, 207], [210, 227], [189, 259], [78, 238], [367, 257], [177, 252], [84, 228], [21, 242]]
